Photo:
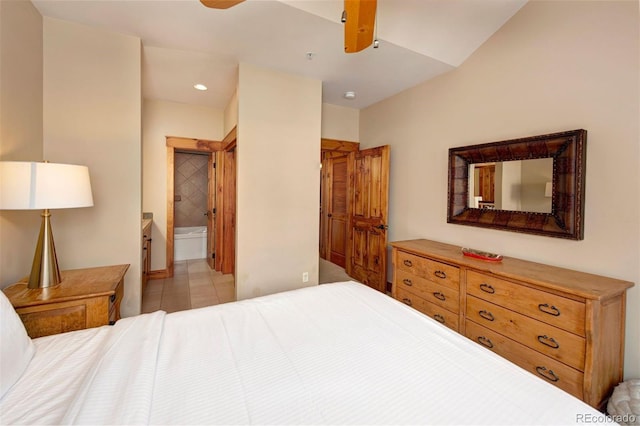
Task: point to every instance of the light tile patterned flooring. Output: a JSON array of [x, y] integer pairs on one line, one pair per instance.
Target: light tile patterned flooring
[[193, 285]]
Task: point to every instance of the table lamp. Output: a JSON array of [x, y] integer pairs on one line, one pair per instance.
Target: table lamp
[[44, 186]]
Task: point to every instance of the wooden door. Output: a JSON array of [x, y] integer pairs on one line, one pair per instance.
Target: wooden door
[[367, 246], [486, 182], [335, 209], [211, 229], [229, 213], [225, 205]]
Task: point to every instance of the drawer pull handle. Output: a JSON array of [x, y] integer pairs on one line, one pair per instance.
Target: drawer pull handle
[[408, 263], [440, 274], [438, 295], [112, 298], [406, 301], [408, 282], [548, 341], [547, 374], [484, 341], [486, 315], [551, 310], [487, 288], [439, 318]]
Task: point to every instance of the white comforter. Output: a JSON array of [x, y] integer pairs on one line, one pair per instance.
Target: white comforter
[[332, 354]]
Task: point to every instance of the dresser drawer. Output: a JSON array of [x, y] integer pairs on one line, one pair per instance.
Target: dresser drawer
[[57, 318], [438, 272], [438, 294], [542, 337], [559, 311], [555, 372], [436, 312]]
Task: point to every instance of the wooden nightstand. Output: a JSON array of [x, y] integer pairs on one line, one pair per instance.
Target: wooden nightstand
[[85, 298]]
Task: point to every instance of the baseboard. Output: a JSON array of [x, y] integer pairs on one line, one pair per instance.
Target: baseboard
[[159, 274]]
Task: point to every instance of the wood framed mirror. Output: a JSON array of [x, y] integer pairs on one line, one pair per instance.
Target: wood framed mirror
[[558, 184]]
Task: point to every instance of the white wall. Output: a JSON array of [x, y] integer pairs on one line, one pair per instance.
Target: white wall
[[510, 185], [92, 115], [20, 126], [231, 113], [340, 123], [535, 175], [554, 66], [159, 120], [278, 181]]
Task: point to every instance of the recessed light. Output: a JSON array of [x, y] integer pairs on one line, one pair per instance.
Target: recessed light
[[349, 95], [199, 86]]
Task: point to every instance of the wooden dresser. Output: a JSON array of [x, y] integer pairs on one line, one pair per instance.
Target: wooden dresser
[[562, 325], [85, 298]]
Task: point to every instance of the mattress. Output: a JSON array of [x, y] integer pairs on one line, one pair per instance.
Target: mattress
[[332, 354]]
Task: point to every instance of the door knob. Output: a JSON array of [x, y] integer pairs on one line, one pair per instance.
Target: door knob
[[382, 227]]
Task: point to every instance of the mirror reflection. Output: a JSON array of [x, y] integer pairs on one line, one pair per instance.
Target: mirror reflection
[[522, 185]]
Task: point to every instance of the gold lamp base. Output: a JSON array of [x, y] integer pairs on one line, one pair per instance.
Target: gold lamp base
[[45, 271]]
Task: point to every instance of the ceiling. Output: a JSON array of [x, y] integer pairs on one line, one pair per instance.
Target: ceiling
[[185, 43]]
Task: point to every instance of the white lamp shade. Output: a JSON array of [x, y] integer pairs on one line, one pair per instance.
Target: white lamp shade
[[39, 186]]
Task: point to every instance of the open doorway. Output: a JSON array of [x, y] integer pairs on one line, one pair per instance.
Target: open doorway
[[220, 197], [191, 211], [354, 197], [182, 152], [335, 199]]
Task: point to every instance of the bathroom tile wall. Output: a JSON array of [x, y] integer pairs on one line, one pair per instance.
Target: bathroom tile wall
[[190, 189]]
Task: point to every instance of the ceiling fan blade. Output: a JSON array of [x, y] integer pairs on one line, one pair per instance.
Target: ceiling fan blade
[[358, 29], [220, 4]]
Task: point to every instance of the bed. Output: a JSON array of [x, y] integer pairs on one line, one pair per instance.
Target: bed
[[332, 354]]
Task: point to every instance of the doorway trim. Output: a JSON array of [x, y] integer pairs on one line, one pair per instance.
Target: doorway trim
[[178, 143], [226, 204]]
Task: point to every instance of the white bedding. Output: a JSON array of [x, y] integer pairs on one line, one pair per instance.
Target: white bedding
[[333, 354]]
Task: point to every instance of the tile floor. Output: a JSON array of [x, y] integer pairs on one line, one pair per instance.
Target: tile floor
[[194, 285]]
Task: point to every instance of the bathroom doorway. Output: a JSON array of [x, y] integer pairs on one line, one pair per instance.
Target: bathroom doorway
[[181, 153], [191, 211], [220, 209]]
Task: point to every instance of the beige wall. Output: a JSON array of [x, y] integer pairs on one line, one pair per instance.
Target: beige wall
[[231, 113], [159, 120], [340, 123], [278, 181], [20, 126], [92, 116], [554, 66]]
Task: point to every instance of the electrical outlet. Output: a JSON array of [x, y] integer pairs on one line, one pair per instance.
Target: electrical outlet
[[305, 277]]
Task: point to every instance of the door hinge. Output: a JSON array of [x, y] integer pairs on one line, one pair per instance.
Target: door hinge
[[214, 165], [213, 255], [214, 211]]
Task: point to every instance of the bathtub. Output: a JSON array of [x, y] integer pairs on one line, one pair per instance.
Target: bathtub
[[189, 243]]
